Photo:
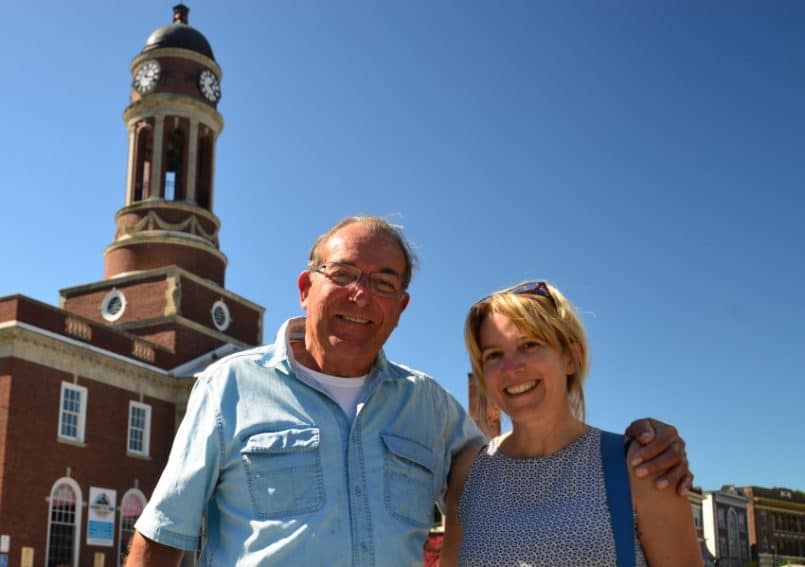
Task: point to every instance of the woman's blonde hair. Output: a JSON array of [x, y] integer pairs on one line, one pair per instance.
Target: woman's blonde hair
[[540, 310]]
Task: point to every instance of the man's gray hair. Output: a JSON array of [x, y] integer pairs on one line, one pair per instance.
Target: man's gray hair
[[377, 225]]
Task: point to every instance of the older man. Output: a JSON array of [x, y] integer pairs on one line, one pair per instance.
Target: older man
[[317, 450]]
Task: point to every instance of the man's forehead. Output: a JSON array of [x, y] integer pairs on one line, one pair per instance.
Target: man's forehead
[[356, 244]]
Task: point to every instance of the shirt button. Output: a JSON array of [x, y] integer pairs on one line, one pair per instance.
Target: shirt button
[[358, 492]]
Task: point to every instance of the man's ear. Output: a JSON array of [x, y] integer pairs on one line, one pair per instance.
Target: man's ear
[[303, 283], [404, 301]]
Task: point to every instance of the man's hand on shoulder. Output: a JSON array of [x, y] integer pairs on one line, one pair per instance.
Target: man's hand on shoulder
[[661, 453]]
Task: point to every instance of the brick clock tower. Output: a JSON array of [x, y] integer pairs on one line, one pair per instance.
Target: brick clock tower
[[164, 271], [91, 392]]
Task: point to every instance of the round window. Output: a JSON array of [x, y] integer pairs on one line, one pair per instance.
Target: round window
[[113, 305], [220, 315]]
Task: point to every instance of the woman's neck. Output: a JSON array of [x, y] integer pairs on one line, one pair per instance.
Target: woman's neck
[[541, 438]]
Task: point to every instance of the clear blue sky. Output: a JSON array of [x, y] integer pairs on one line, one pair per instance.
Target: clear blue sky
[[647, 157]]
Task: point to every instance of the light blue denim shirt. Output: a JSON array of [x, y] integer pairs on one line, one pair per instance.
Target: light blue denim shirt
[[286, 478]]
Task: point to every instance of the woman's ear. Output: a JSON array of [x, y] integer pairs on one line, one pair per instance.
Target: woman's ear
[[576, 354]]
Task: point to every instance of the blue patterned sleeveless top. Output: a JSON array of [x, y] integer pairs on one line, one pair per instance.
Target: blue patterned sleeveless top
[[543, 511]]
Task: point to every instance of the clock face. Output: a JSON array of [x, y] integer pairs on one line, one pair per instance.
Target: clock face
[[208, 85], [146, 78]]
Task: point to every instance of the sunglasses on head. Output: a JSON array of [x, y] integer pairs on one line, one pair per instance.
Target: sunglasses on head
[[529, 288]]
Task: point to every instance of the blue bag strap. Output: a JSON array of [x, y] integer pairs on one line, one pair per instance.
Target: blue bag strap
[[619, 496]]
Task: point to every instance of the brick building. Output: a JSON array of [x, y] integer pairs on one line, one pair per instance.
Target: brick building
[[91, 391], [776, 525]]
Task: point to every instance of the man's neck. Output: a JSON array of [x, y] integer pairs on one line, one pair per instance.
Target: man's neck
[[304, 357]]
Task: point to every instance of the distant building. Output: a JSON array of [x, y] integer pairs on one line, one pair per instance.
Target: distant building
[[696, 499], [776, 525], [726, 529], [91, 391]]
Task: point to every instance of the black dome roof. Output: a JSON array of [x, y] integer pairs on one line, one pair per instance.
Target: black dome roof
[[179, 35]]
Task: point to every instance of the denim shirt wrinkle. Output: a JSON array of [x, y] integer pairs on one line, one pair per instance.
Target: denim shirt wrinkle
[[286, 478]]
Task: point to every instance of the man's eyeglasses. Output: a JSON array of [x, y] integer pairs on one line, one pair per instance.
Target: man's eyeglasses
[[384, 284], [528, 288]]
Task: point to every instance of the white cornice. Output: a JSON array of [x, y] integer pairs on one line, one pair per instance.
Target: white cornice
[[28, 342], [151, 237], [154, 204], [173, 104]]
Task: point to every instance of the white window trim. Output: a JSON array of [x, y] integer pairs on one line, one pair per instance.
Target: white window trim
[[112, 317], [82, 415], [79, 504], [224, 308], [146, 430], [130, 492]]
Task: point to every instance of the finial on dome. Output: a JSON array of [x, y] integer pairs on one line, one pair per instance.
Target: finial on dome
[[180, 12]]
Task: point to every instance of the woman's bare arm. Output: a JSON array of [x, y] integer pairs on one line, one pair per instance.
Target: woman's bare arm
[[453, 531], [664, 523]]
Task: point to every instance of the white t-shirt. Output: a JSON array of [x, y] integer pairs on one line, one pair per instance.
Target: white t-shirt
[[346, 391]]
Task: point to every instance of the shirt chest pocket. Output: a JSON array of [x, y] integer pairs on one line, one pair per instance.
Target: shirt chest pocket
[[408, 479], [283, 471]]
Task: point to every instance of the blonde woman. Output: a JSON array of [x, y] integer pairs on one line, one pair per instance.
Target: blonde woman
[[537, 495]]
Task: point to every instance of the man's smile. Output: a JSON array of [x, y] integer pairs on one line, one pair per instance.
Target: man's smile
[[353, 319]]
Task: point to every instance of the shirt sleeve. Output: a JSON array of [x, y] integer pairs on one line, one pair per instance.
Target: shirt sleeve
[[174, 513]]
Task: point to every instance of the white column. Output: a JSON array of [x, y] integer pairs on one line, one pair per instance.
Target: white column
[[192, 160], [130, 167], [214, 140]]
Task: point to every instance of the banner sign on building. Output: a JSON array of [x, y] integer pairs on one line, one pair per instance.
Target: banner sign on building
[[101, 520]]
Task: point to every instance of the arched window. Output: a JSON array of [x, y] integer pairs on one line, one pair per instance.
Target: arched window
[[143, 152], [64, 523], [204, 168], [130, 509], [174, 167], [732, 534]]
